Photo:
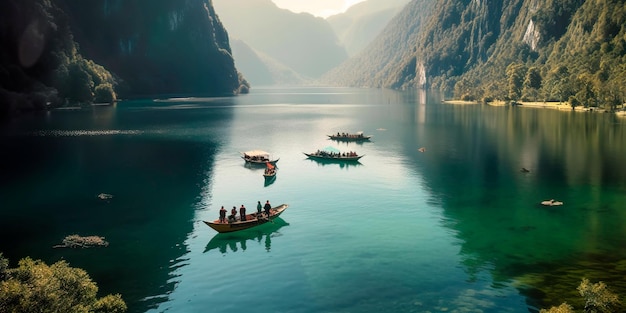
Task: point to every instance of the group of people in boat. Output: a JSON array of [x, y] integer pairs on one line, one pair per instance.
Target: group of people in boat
[[331, 154], [256, 158], [347, 135], [270, 170], [262, 211]]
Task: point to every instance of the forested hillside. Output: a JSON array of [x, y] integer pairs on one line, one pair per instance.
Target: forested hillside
[[65, 52], [40, 65], [361, 23], [559, 50], [157, 46], [376, 65]]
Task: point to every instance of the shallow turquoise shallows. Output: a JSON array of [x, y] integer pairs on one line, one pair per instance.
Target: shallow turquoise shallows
[[438, 216]]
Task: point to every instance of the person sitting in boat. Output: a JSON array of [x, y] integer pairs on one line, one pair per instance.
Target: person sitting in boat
[[242, 213], [222, 215], [233, 215]]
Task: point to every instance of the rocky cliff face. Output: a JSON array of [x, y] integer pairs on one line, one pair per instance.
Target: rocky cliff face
[[157, 46], [40, 65], [467, 47]]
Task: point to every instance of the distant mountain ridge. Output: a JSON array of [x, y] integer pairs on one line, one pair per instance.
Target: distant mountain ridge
[[376, 64], [302, 42], [261, 70], [510, 49], [362, 22]]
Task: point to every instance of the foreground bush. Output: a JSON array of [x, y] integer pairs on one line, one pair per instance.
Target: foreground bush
[[598, 299], [36, 287]]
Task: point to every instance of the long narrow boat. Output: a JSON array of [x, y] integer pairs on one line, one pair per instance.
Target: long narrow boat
[[335, 157], [349, 137], [252, 220]]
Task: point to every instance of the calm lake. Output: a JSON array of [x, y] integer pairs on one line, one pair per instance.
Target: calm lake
[[455, 228]]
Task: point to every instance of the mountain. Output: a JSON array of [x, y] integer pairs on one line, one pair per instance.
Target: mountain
[[157, 47], [63, 52], [362, 22], [302, 42], [260, 69], [40, 65], [376, 64], [561, 50]]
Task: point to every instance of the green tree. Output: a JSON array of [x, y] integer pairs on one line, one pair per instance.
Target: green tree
[[36, 287], [515, 74], [104, 93], [532, 83], [559, 83], [586, 89]]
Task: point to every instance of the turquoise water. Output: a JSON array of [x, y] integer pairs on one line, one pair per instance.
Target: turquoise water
[[456, 228]]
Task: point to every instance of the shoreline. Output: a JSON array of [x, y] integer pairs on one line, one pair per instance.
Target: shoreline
[[554, 105]]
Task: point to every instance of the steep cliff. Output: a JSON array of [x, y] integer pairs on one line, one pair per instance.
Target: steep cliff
[[376, 64], [157, 46], [40, 65], [563, 50]]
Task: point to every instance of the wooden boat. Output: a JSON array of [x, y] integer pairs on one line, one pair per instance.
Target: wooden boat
[[234, 241], [251, 220], [257, 157], [270, 171], [331, 154], [349, 137], [327, 157]]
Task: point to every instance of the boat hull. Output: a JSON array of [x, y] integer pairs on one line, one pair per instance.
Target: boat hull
[[349, 138], [251, 221], [259, 162], [336, 159]]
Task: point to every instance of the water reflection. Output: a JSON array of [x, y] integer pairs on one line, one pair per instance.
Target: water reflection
[[341, 164], [340, 142], [473, 168], [238, 241], [254, 166], [269, 180]]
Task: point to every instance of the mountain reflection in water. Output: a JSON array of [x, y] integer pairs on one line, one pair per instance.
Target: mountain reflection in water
[[237, 241]]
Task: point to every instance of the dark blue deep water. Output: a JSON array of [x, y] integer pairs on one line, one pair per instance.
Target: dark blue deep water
[[455, 228]]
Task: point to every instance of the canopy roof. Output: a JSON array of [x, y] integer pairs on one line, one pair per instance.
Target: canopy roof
[[331, 149], [257, 153]]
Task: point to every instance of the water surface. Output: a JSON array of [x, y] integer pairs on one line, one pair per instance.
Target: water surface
[[455, 228]]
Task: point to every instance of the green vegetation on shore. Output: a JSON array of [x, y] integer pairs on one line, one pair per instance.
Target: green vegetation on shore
[[571, 51]]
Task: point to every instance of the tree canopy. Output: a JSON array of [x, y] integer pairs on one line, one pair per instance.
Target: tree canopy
[[34, 286]]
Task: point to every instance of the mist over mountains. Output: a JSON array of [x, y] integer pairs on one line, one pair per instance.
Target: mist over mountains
[[299, 47], [302, 42], [362, 22]]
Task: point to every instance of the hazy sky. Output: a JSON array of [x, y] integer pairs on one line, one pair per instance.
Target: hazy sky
[[321, 8]]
